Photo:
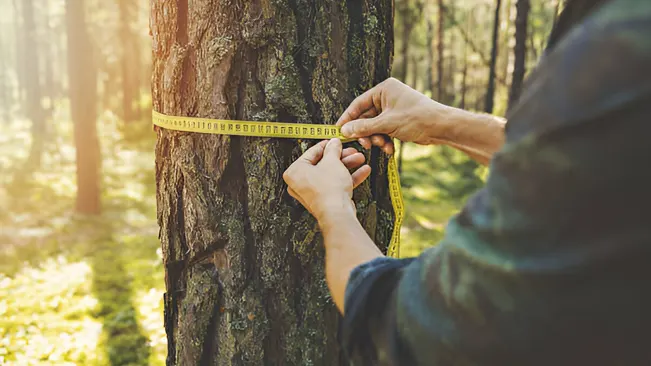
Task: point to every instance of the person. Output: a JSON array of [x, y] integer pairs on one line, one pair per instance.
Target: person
[[549, 263]]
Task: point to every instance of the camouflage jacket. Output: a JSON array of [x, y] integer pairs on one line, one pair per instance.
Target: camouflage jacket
[[550, 263]]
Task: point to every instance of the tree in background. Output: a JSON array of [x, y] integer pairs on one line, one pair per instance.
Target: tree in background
[[410, 12], [440, 45], [33, 93], [130, 60], [244, 262], [519, 50], [490, 89], [82, 76]]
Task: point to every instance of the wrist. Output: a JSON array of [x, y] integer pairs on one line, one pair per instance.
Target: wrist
[[476, 131], [335, 212]]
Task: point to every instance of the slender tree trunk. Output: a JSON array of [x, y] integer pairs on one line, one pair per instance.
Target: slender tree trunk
[[440, 57], [244, 262], [33, 92], [431, 85], [82, 75], [402, 72], [48, 57], [464, 77], [505, 37], [519, 50], [490, 90], [450, 89], [405, 40], [19, 43], [130, 60]]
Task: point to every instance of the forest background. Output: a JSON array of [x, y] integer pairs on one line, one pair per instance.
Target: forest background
[[81, 276]]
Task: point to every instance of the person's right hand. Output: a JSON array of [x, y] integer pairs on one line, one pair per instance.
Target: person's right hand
[[395, 110]]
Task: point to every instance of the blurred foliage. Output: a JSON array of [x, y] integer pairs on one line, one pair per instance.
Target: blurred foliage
[[78, 290]]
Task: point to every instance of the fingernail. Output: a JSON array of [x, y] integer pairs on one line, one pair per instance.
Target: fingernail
[[347, 130]]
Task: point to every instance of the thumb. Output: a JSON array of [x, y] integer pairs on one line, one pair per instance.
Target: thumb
[[367, 127], [333, 150]]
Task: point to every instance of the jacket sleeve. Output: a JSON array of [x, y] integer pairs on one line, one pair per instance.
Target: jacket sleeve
[[547, 264]]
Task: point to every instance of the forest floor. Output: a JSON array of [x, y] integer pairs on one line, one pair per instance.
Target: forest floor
[[85, 291]]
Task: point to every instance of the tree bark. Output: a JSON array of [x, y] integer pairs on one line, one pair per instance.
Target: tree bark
[[490, 90], [519, 50], [82, 76], [244, 262]]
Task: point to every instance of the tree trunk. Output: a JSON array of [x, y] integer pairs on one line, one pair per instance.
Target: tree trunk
[[19, 49], [505, 37], [82, 76], [47, 43], [33, 93], [464, 77], [244, 262], [130, 60], [519, 50], [490, 90], [439, 51], [431, 85], [450, 89], [405, 39]]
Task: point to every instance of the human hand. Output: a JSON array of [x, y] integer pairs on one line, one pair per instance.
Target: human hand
[[394, 109], [320, 179]]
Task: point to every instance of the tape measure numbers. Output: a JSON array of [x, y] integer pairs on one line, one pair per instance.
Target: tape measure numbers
[[287, 130]]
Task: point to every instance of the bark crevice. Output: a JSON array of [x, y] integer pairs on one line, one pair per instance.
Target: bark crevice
[[304, 63]]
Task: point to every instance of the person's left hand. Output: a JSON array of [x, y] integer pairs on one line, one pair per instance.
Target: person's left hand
[[320, 179]]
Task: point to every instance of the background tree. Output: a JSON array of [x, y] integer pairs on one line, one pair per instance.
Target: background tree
[[83, 107], [520, 49], [130, 60], [33, 93], [490, 89], [244, 262]]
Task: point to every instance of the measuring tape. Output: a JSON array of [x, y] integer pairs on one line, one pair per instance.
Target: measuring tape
[[287, 130]]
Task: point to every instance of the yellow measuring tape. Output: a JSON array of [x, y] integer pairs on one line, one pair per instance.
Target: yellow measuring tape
[[286, 130]]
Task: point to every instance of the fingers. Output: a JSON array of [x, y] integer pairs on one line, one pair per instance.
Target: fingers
[[378, 140], [389, 148], [380, 125], [360, 175], [369, 113], [360, 105], [333, 149], [348, 151], [365, 142], [354, 161], [314, 154]]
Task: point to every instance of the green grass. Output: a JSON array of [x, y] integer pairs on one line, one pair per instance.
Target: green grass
[[436, 182]]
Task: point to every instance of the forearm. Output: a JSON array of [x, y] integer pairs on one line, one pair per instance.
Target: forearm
[[347, 246], [477, 134]]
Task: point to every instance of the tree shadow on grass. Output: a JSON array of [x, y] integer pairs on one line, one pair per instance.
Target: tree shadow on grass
[[123, 338]]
